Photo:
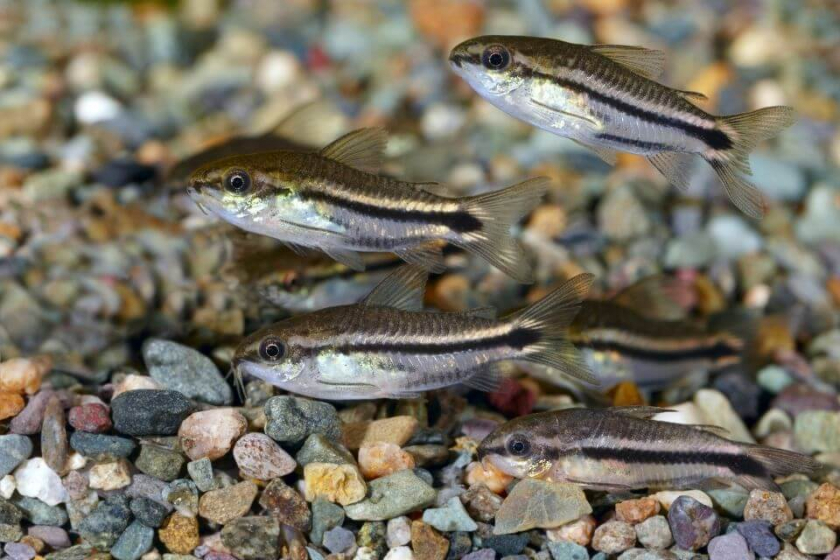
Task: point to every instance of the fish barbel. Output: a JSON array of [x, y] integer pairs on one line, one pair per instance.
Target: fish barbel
[[386, 346], [623, 448], [606, 98], [334, 200]]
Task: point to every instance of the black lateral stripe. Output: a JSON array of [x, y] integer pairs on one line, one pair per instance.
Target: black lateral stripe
[[740, 464], [517, 338], [714, 138], [638, 143], [460, 221], [714, 352]]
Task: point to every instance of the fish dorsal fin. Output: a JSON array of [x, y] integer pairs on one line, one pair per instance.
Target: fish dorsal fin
[[692, 95], [711, 429], [654, 296], [643, 412], [310, 123], [647, 63], [402, 289], [481, 312], [361, 149]]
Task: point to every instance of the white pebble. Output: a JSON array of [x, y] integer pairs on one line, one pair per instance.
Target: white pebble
[[95, 106], [35, 479], [76, 461], [7, 486], [399, 553], [440, 121], [277, 70], [110, 476], [398, 532], [667, 497]]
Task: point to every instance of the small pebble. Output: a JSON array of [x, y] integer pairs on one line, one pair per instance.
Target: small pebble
[[654, 532], [692, 524], [398, 531], [614, 537], [769, 506], [451, 517], [816, 538], [226, 504], [94, 418], [341, 484], [286, 504], [731, 546], [293, 419], [396, 430], [381, 459], [147, 412], [211, 433], [258, 456]]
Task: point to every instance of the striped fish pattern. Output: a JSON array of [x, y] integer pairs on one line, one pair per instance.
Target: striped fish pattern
[[386, 346], [606, 97], [623, 448], [336, 201]]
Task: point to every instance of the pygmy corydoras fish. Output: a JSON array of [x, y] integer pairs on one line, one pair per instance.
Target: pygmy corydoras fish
[[632, 337], [335, 201], [386, 346], [606, 98], [624, 448]]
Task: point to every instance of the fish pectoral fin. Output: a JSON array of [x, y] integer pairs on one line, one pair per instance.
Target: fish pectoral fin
[[346, 257], [677, 167], [427, 256], [691, 95], [488, 378], [656, 296], [300, 250], [608, 155], [605, 486], [643, 412], [361, 149], [541, 107], [648, 63], [402, 289]]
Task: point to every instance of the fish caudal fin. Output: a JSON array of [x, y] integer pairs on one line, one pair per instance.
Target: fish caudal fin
[[776, 462], [744, 131], [547, 322], [498, 212]]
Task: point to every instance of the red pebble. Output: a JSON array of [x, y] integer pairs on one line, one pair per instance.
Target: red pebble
[[512, 398], [92, 417]]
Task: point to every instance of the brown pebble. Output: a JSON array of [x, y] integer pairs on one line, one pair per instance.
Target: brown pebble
[[211, 433], [427, 543], [286, 504], [179, 534], [397, 430], [23, 375], [824, 505], [381, 459], [342, 484], [10, 404], [769, 506], [54, 436], [224, 505], [636, 511]]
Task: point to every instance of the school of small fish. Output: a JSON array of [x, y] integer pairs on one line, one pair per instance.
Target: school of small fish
[[360, 329]]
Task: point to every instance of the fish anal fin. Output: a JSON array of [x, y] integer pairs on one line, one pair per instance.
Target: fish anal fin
[[643, 412], [346, 257], [361, 149], [648, 63], [677, 167], [428, 256], [608, 155], [487, 378], [656, 296], [402, 289], [748, 482]]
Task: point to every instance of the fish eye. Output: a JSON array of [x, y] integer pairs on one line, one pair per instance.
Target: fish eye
[[518, 445], [495, 57], [237, 181], [272, 349]]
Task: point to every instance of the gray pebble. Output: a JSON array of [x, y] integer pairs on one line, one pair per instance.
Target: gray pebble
[[100, 447], [293, 419], [188, 371], [149, 412], [135, 541], [14, 449]]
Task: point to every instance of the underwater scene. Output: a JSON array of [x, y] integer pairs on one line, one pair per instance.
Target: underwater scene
[[419, 280]]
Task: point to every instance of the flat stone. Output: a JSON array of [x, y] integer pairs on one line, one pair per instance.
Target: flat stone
[[135, 541], [39, 513], [224, 505], [258, 456], [506, 545], [187, 371], [100, 447], [319, 449], [149, 412], [211, 433], [293, 419], [451, 517], [538, 503], [716, 410], [286, 505], [396, 430], [28, 421], [14, 449], [252, 538], [390, 496], [54, 537], [54, 436]]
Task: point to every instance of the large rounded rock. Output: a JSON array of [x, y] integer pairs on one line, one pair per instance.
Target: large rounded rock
[[149, 412], [188, 371]]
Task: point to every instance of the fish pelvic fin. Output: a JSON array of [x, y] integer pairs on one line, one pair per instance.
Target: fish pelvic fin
[[547, 321], [744, 131], [498, 212]]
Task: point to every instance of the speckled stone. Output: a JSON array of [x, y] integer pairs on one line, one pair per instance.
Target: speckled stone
[[149, 412], [252, 538], [258, 456], [693, 524], [293, 419], [325, 516], [149, 512], [427, 543], [160, 462], [286, 504], [135, 541], [614, 537], [179, 534], [769, 506], [226, 504], [391, 496]]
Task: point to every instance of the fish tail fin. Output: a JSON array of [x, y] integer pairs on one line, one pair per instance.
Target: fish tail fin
[[730, 160], [780, 462], [543, 328], [499, 211]]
